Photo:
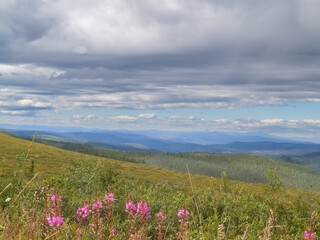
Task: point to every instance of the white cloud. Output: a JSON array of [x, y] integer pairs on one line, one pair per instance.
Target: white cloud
[[147, 115], [125, 118], [15, 112]]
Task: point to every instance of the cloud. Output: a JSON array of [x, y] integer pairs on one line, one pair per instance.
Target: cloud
[[68, 54], [125, 118], [17, 112], [139, 118], [147, 116], [12, 104]]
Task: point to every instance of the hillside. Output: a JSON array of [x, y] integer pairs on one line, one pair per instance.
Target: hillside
[[240, 167], [51, 161], [216, 207], [311, 160]]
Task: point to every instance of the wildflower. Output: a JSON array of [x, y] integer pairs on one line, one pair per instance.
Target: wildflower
[[51, 221], [8, 199], [183, 215], [59, 221], [109, 197], [161, 216], [55, 198], [130, 207], [97, 205], [109, 200], [55, 221], [142, 210], [83, 212], [54, 211], [309, 235]]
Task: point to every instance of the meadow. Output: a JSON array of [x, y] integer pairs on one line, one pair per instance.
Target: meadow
[[50, 193], [241, 167]]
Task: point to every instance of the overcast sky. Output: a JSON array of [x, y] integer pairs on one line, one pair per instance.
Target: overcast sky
[[246, 66]]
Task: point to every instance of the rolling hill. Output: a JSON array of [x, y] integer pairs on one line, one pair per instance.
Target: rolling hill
[[244, 208], [241, 167]]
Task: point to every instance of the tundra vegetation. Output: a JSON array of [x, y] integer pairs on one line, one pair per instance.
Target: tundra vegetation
[[49, 193]]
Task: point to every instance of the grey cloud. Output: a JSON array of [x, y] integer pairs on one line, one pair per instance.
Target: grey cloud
[[157, 27], [103, 87], [160, 54]]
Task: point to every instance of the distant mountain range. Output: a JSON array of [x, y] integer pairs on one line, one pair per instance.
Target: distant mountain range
[[167, 141]]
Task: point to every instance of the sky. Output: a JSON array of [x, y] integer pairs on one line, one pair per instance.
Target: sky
[[208, 65]]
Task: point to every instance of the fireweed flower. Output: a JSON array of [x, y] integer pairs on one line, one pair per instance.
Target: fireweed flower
[[160, 216], [97, 206], [183, 215], [109, 200], [55, 198], [55, 221], [51, 221], [55, 218], [143, 210], [130, 207], [83, 212], [309, 235], [109, 197]]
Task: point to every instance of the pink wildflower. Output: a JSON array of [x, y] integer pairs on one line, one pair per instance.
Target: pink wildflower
[[97, 205], [55, 221], [54, 198], [183, 215], [59, 221], [309, 235], [54, 211], [84, 211], [109, 197], [183, 212], [161, 216], [130, 207], [142, 210], [51, 221]]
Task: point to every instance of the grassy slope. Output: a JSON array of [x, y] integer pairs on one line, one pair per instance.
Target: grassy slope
[[240, 207], [241, 167], [51, 161]]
